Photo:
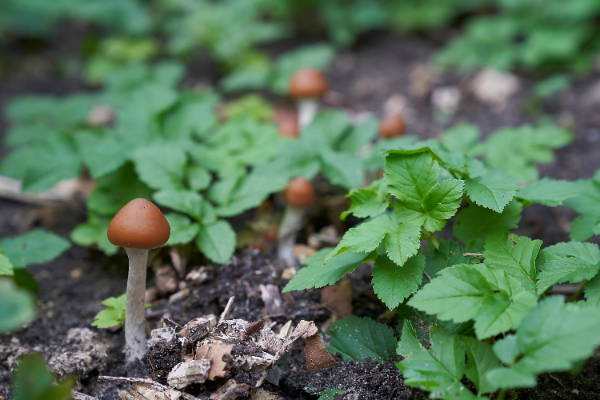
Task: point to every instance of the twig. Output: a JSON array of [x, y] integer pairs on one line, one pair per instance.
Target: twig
[[227, 309], [480, 255]]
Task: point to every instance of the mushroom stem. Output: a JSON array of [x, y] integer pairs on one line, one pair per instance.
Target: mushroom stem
[[307, 108], [135, 332], [289, 227]]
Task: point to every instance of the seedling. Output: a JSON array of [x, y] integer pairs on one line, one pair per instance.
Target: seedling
[[299, 195], [138, 227], [392, 126], [306, 86]]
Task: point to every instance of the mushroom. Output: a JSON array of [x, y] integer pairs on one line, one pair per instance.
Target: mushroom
[[306, 86], [392, 126], [138, 227], [299, 195]]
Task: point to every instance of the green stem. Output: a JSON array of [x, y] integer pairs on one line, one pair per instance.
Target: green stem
[[501, 394]]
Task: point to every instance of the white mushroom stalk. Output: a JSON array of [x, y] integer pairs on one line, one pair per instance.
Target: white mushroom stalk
[[135, 332], [307, 109]]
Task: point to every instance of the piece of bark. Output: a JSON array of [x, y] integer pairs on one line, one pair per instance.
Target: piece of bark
[[231, 390], [189, 372], [215, 351], [316, 355], [338, 298], [146, 389], [271, 296]]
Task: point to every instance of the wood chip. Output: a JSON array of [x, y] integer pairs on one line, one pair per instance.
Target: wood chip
[[316, 355], [189, 372], [215, 351], [271, 296], [231, 390]]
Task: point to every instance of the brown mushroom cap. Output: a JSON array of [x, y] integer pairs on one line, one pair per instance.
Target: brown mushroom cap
[[139, 225], [299, 193], [308, 83], [392, 126]]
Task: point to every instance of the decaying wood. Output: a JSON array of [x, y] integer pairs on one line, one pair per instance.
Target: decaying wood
[[271, 296], [82, 396], [189, 372], [227, 309], [215, 351], [147, 389], [231, 390]]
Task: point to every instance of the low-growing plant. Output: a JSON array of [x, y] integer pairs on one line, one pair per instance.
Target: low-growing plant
[[113, 315], [33, 380], [484, 294]]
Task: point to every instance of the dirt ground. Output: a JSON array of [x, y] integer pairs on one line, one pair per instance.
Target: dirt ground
[[363, 79]]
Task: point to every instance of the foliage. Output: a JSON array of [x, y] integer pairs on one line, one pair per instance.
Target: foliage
[[559, 35], [357, 338], [475, 291], [17, 306], [113, 314], [587, 224], [36, 246], [33, 380]]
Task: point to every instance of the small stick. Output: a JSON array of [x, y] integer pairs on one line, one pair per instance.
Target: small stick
[[227, 309]]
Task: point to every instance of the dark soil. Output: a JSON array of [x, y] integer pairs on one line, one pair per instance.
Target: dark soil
[[362, 79]]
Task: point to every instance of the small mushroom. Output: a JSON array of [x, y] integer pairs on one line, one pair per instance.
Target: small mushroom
[[138, 227], [287, 122], [392, 126], [307, 85], [299, 195]]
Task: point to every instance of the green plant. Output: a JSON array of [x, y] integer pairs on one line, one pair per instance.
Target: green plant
[[17, 306], [113, 315], [587, 224], [33, 380], [482, 283], [524, 34]]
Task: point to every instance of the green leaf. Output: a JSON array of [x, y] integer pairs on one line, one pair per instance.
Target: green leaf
[[462, 138], [93, 232], [448, 253], [438, 370], [323, 268], [34, 247], [184, 201], [365, 237], [198, 178], [33, 380], [366, 202], [480, 360], [17, 307], [113, 314], [329, 394], [473, 224], [588, 223], [554, 336], [412, 177], [183, 230], [515, 255], [549, 192], [568, 262], [392, 283], [6, 267], [402, 239], [342, 169], [101, 153], [464, 292], [592, 291], [356, 338], [493, 190], [161, 166], [216, 241]]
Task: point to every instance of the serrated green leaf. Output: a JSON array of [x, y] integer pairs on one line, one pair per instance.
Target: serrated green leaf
[[588, 223], [342, 169], [113, 314], [568, 262], [322, 269], [365, 237], [17, 307], [183, 230], [592, 291], [412, 177], [550, 192], [402, 238], [462, 292], [216, 241], [552, 337], [480, 360], [366, 202], [393, 283], [438, 370], [473, 224], [448, 253], [34, 247], [356, 338], [198, 178], [161, 167], [515, 255], [584, 227], [493, 190], [461, 138]]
